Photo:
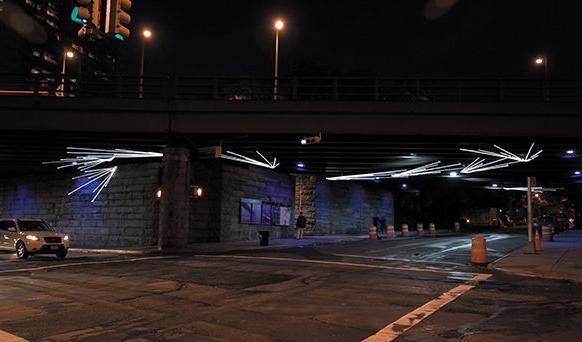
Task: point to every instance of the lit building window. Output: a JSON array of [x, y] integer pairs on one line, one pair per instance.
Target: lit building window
[[49, 58], [36, 53]]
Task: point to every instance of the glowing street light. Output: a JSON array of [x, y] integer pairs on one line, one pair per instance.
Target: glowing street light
[[279, 25], [146, 35], [542, 61], [68, 54]]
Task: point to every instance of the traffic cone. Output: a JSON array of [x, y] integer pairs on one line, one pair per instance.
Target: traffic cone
[[538, 242]]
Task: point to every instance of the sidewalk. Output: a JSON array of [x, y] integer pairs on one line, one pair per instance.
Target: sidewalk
[[559, 259], [273, 243], [222, 247]]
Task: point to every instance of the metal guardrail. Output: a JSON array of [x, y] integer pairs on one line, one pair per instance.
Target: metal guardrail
[[295, 89]]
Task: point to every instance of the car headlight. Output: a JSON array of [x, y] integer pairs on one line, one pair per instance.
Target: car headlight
[[32, 237], [66, 238]]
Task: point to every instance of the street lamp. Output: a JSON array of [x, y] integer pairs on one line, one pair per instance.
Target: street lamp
[[146, 35], [542, 61], [279, 25], [70, 55], [67, 54]]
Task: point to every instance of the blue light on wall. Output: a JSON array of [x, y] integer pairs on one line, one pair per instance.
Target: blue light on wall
[[118, 36]]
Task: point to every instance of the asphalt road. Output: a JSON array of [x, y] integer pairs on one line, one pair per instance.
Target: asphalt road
[[342, 292]]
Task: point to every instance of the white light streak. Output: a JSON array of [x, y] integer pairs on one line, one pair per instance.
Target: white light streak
[[242, 159], [87, 159], [537, 189], [504, 159], [428, 169]]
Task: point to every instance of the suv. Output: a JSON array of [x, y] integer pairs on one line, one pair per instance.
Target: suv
[[31, 236]]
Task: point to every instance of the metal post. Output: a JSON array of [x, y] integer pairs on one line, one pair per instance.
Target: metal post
[[141, 68], [530, 241], [276, 83]]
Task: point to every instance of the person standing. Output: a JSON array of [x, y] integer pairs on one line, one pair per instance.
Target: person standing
[[300, 226]]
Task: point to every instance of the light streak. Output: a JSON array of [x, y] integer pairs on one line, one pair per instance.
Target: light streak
[[85, 160], [504, 159], [242, 159], [428, 169]]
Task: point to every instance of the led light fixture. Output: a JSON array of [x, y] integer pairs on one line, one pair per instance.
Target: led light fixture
[[242, 159], [87, 159], [503, 159], [428, 169]]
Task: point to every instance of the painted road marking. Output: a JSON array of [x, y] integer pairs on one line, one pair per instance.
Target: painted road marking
[[406, 322], [40, 268], [401, 259], [339, 263], [6, 337]]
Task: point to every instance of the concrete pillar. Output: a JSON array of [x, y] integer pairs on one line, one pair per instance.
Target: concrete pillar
[[175, 200]]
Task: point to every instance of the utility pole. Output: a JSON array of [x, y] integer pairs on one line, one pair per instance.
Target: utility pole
[[530, 235]]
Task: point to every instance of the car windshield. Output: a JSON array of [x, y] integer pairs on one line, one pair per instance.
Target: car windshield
[[34, 226]]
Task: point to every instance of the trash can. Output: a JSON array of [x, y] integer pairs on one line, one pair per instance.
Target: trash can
[[264, 238]]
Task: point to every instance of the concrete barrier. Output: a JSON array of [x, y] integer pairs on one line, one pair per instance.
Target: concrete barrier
[[478, 251], [432, 229], [405, 232], [390, 231], [419, 229]]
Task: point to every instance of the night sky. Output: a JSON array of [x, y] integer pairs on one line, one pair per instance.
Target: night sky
[[473, 38]]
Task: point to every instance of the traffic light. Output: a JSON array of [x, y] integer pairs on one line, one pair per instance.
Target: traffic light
[[118, 19], [311, 140], [87, 11]]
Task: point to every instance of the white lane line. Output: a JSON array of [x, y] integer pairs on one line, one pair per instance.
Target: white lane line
[[400, 259], [337, 263], [406, 322], [40, 268], [6, 337]]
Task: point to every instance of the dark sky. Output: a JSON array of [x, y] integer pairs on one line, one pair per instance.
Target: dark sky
[[475, 38]]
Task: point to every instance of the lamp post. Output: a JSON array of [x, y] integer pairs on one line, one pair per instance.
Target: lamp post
[[279, 25], [542, 60], [67, 54], [146, 34]]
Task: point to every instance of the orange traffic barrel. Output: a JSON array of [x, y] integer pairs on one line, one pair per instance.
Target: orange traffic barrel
[[390, 231], [405, 232], [432, 229], [537, 242], [457, 227], [478, 251], [419, 229], [373, 233], [547, 233]]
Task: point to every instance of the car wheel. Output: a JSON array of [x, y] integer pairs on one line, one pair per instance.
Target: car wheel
[[21, 252], [62, 253]]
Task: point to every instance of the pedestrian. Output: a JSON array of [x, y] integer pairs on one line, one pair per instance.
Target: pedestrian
[[300, 226]]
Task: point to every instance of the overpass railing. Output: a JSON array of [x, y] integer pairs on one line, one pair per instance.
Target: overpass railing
[[294, 89]]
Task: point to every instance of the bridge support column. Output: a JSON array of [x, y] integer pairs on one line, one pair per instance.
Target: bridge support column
[[175, 200]]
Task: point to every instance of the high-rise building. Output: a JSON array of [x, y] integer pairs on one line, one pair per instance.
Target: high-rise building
[[36, 34]]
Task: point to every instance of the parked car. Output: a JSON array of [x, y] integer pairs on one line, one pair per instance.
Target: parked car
[[31, 236], [558, 221]]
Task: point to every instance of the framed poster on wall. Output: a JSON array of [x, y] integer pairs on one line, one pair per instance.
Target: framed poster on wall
[[250, 211]]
